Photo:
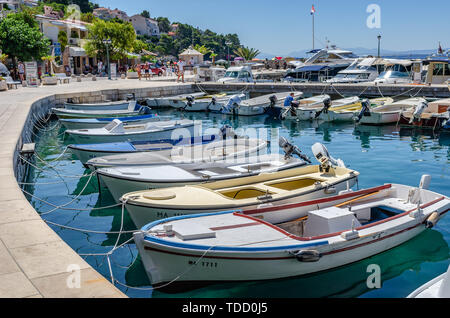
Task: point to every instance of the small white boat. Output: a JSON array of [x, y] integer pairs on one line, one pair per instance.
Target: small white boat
[[189, 101], [69, 113], [290, 112], [224, 149], [438, 287], [89, 123], [215, 103], [121, 180], [388, 113], [120, 105], [431, 115], [116, 131], [309, 112], [246, 193], [161, 102], [249, 246], [259, 105], [347, 114]]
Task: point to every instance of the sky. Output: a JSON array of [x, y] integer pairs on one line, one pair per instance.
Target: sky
[[280, 27]]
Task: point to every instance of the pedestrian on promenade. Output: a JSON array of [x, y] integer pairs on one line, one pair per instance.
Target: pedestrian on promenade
[[180, 65], [21, 69]]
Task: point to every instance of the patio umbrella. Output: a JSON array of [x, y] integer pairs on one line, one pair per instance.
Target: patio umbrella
[[278, 58], [221, 62]]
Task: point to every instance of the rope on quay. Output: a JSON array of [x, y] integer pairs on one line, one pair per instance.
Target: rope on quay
[[332, 86]]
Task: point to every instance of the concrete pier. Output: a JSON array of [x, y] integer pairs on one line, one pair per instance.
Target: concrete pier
[[34, 260], [362, 89]]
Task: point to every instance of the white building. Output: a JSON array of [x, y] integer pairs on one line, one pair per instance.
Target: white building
[[144, 26], [108, 14]]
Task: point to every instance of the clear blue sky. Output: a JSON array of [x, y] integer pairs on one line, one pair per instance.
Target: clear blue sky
[[283, 26]]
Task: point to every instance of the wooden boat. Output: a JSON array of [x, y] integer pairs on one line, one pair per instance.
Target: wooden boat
[[161, 102], [388, 113], [347, 114], [259, 105], [121, 180], [431, 115], [313, 102], [250, 245], [116, 131], [438, 287], [120, 105], [89, 123], [222, 149], [309, 112], [68, 113], [246, 193]]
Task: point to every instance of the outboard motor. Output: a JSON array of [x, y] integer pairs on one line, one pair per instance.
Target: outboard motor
[[290, 149], [292, 109], [273, 100], [232, 105], [365, 110], [213, 102], [323, 156], [131, 96], [326, 106], [190, 101], [418, 112], [227, 132]]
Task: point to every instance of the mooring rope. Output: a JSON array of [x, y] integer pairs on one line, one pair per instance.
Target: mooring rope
[[61, 175]]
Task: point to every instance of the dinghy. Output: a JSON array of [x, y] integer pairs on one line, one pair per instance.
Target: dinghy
[[121, 180], [388, 113], [189, 101], [347, 114], [248, 246], [310, 112], [259, 105], [427, 115], [161, 102], [216, 103], [135, 111], [120, 105], [438, 287], [225, 149], [89, 123], [116, 131], [246, 193], [290, 112]]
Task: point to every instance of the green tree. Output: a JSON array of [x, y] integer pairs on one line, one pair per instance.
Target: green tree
[[163, 24], [122, 38], [21, 40], [145, 14], [62, 38], [247, 53], [85, 5]]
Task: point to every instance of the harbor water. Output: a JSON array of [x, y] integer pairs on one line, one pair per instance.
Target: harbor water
[[384, 154]]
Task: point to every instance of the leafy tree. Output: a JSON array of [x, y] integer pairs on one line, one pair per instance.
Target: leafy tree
[[139, 45], [85, 5], [163, 24], [21, 40], [122, 36], [87, 17], [62, 38], [202, 49], [247, 53], [145, 14]]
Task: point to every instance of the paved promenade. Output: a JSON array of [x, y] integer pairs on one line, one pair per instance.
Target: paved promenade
[[34, 260]]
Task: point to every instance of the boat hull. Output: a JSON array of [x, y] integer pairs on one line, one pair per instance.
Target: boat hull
[[72, 124], [107, 106], [434, 122], [380, 118]]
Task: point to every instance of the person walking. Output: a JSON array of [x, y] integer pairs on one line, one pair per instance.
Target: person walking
[[181, 65], [21, 70]]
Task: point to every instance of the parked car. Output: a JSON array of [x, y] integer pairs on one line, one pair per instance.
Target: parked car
[[157, 70]]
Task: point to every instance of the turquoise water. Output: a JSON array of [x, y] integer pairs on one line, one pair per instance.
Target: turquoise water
[[381, 154]]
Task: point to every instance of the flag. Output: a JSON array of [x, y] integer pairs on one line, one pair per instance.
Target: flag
[[313, 10]]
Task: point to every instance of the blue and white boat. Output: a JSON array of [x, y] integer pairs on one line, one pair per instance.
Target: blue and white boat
[[88, 123], [130, 112], [120, 105]]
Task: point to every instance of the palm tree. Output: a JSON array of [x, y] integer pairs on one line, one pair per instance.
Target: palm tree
[[247, 53]]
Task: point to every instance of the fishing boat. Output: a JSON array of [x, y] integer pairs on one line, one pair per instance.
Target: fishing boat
[[85, 152], [246, 193], [215, 103], [309, 112], [198, 249], [430, 115], [120, 105], [225, 149], [116, 131], [259, 105], [161, 102], [438, 287], [121, 180], [290, 112], [388, 113], [89, 123], [189, 101], [138, 110], [347, 114]]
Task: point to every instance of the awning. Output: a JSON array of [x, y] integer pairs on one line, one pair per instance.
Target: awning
[[77, 51]]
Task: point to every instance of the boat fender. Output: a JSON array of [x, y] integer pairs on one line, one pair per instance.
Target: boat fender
[[432, 220], [308, 256]]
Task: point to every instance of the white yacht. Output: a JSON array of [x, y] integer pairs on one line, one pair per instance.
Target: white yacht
[[361, 70], [395, 72]]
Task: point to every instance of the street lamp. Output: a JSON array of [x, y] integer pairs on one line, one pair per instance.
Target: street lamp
[[108, 43], [228, 57], [379, 39]]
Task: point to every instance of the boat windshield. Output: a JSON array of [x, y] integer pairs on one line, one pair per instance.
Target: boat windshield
[[392, 74], [231, 74]]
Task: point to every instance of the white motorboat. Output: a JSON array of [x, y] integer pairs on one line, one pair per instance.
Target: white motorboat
[[189, 101], [249, 245], [348, 113], [246, 193], [396, 71], [161, 102], [121, 180], [116, 131], [130, 112], [259, 105], [309, 112], [388, 113], [89, 123], [431, 115], [120, 105], [290, 112], [361, 70], [438, 287], [215, 103], [225, 149]]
